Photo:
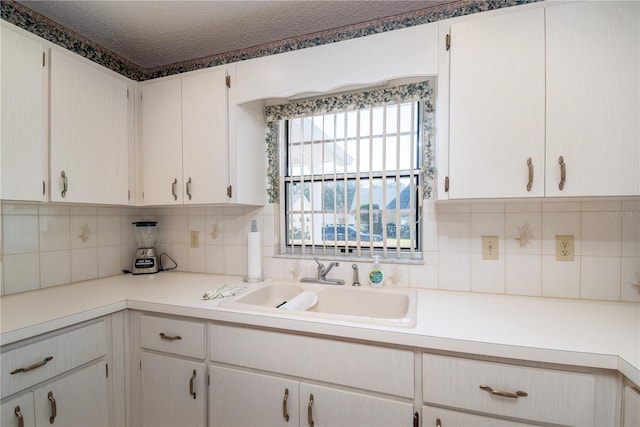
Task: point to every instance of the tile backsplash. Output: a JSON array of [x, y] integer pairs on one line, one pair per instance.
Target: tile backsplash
[[52, 244]]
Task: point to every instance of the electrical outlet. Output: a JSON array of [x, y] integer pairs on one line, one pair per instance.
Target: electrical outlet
[[489, 247], [194, 239], [565, 248]]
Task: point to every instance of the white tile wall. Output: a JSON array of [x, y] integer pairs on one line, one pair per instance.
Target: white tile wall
[[43, 246]]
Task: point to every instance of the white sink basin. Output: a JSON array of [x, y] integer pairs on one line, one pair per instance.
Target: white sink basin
[[391, 307]]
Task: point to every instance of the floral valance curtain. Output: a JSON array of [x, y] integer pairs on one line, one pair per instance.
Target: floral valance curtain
[[420, 91]]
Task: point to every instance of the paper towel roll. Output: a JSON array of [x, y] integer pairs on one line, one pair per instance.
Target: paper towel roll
[[303, 301], [254, 257]]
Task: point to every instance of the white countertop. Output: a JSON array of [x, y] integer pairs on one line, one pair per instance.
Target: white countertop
[[581, 333]]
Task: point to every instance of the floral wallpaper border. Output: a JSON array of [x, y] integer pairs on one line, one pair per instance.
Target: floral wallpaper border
[[23, 17], [328, 104]]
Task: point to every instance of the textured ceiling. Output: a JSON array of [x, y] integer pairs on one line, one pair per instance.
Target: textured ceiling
[[156, 33]]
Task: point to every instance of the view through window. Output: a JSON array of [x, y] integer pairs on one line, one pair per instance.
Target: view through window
[[352, 181]]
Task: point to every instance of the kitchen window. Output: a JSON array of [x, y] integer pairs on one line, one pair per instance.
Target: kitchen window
[[353, 172]]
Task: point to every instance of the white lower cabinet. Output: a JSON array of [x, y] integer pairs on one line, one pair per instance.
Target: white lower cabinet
[[439, 417], [61, 379], [170, 374], [240, 398], [173, 391]]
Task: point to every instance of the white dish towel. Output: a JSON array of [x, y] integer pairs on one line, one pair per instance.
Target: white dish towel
[[303, 301]]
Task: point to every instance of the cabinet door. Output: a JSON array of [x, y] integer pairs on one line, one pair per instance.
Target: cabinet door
[[89, 137], [173, 391], [438, 417], [497, 106], [238, 398], [77, 399], [593, 86], [331, 407], [24, 146], [18, 411], [162, 142], [205, 131], [631, 416]]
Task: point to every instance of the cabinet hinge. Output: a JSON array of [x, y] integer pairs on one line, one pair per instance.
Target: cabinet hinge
[[227, 81], [106, 365], [43, 60], [229, 191], [447, 42], [446, 184]]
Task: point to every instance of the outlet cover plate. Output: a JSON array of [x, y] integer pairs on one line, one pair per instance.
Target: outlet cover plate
[[565, 248], [490, 247]]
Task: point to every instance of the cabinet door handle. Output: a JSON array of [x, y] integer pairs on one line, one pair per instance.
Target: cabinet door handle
[[563, 173], [18, 413], [285, 412], [191, 384], [34, 366], [169, 337], [189, 188], [173, 189], [65, 184], [54, 410], [310, 410], [530, 164], [500, 393], [416, 419], [438, 422]]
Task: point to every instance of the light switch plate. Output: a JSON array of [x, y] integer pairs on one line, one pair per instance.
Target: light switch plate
[[565, 248], [490, 247]]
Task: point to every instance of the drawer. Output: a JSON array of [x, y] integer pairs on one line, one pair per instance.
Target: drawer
[[368, 367], [44, 359], [179, 337], [551, 396]]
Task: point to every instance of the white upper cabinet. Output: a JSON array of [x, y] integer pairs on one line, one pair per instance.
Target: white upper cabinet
[[162, 142], [24, 147], [89, 133], [496, 129], [197, 146], [546, 96], [593, 98], [408, 52]]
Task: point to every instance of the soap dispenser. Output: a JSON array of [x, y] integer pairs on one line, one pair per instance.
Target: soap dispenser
[[376, 276]]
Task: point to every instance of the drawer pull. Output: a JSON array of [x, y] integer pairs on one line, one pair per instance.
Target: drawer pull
[[285, 412], [500, 393], [169, 337], [54, 410], [19, 416], [438, 422], [191, 383], [34, 366], [310, 410]]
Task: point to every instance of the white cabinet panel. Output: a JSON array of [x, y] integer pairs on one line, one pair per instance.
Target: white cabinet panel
[[18, 410], [556, 397], [631, 417], [24, 109], [438, 417], [593, 98], [162, 142], [238, 398], [497, 106], [205, 122], [77, 399], [89, 133], [330, 407], [173, 391], [394, 54]]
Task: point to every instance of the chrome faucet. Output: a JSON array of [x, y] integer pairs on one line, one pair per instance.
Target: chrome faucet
[[322, 274]]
